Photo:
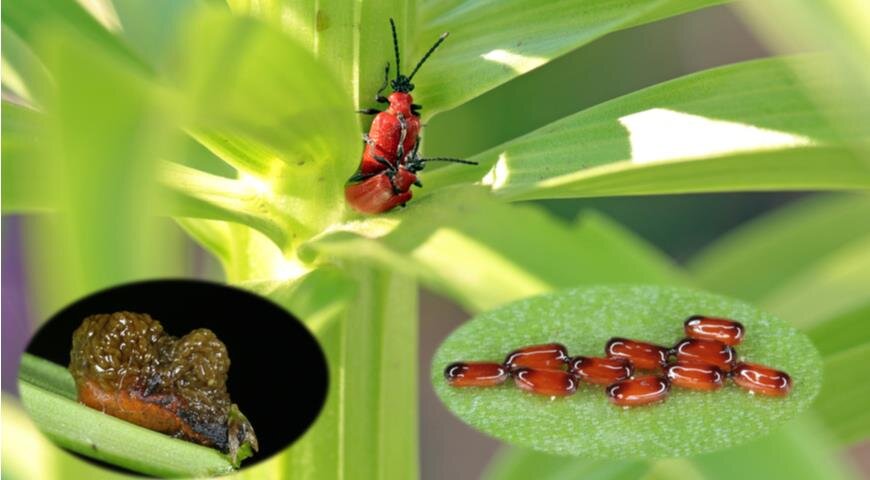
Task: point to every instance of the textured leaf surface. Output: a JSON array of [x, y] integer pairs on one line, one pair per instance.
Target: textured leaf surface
[[586, 424]]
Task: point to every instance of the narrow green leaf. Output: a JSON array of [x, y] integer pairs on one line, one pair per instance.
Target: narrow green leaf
[[759, 257], [368, 425], [24, 76], [29, 176], [284, 114], [502, 40], [838, 27], [834, 285], [522, 464], [45, 394], [799, 451], [456, 244], [586, 424], [748, 126], [29, 19], [842, 401], [104, 126]]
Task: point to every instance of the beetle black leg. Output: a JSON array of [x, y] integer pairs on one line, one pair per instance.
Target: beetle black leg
[[369, 111], [392, 176], [415, 109], [383, 161], [359, 176], [418, 183]]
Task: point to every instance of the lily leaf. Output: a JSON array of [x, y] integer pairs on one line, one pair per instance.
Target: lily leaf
[[748, 126], [500, 40], [586, 424]]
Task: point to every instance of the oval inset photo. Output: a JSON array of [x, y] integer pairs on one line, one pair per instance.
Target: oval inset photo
[[173, 378], [616, 372]]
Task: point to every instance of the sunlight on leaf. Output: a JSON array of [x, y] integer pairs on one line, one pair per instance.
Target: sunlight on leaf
[[659, 134], [455, 244], [748, 126], [498, 41], [586, 424]]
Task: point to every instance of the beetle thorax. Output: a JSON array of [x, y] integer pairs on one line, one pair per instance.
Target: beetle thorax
[[400, 102]]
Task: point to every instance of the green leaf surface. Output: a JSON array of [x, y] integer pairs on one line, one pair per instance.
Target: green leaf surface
[[502, 40], [283, 119], [844, 343], [522, 464], [747, 126], [24, 76], [801, 450], [838, 27], [842, 403], [455, 243], [104, 126], [30, 178], [362, 317], [30, 19], [586, 424], [762, 255], [48, 394]]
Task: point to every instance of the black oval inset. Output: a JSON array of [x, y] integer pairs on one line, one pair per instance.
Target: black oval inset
[[278, 374]]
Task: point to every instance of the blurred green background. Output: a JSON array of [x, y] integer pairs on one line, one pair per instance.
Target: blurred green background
[[679, 225]]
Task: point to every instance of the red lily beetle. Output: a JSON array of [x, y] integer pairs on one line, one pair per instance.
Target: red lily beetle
[[390, 160]]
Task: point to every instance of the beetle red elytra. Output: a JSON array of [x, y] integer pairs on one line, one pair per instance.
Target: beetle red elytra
[[549, 356], [475, 374], [724, 330], [391, 158]]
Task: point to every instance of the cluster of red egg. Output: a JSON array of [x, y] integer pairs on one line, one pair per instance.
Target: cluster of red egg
[[702, 361]]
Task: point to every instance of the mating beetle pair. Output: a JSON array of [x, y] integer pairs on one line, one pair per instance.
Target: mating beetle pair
[[390, 160]]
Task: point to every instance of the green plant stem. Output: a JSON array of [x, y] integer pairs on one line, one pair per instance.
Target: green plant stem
[[48, 393], [368, 427]]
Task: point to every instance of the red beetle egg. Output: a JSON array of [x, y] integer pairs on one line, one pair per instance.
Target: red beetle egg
[[475, 374], [726, 331], [601, 371], [643, 355], [761, 379], [550, 356], [695, 376], [639, 391], [706, 351], [551, 383]]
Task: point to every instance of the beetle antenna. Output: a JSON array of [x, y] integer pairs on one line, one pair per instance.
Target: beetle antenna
[[420, 63], [448, 159], [396, 48]]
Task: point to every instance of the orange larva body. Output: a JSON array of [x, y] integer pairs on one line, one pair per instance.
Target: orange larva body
[[695, 376], [550, 383], [761, 379], [475, 374], [726, 331], [639, 391], [706, 351], [643, 355], [550, 356], [601, 371]]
